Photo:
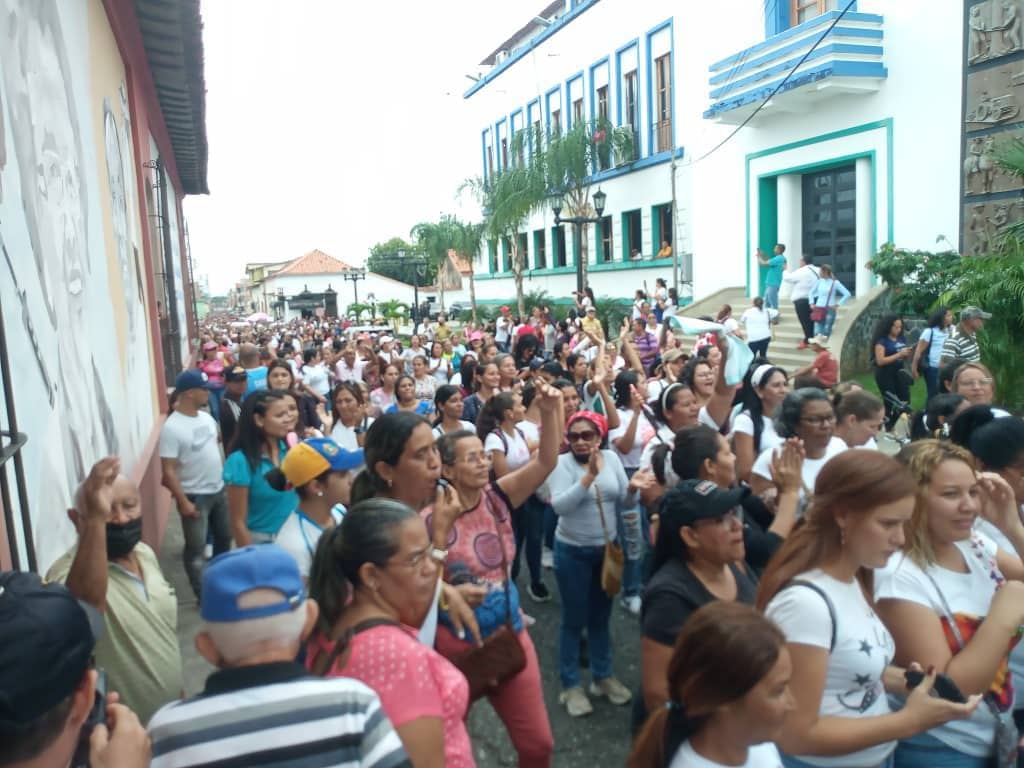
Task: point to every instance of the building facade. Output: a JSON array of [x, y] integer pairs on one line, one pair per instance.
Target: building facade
[[101, 136], [821, 124]]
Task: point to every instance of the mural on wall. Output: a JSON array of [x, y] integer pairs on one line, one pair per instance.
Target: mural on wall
[[74, 307], [984, 222], [995, 30]]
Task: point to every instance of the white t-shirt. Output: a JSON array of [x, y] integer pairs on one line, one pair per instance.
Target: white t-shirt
[[192, 440], [530, 431], [514, 446], [985, 528], [757, 322], [439, 430], [811, 468], [441, 374], [762, 756], [298, 537], [665, 435], [346, 436], [731, 325], [744, 424], [315, 377], [863, 649], [501, 329], [644, 433], [968, 596]]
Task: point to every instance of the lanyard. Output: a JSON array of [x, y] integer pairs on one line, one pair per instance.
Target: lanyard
[[302, 529]]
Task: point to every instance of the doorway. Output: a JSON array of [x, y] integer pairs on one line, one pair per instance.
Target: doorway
[[830, 221]]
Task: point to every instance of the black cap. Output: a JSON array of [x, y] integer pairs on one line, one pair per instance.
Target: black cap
[[46, 643], [238, 373], [694, 500]]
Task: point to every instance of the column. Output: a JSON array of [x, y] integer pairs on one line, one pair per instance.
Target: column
[[865, 196], [790, 216]]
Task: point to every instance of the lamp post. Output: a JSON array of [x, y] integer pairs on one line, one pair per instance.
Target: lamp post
[[419, 270], [600, 198], [355, 275]]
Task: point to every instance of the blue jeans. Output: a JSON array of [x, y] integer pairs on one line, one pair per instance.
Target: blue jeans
[[924, 751], [527, 524], [631, 534], [931, 381], [771, 296], [824, 327], [584, 606], [216, 395], [793, 762]]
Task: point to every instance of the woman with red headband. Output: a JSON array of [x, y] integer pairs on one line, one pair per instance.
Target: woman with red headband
[[589, 490]]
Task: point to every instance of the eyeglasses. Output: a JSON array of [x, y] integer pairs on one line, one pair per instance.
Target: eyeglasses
[[976, 383], [819, 421], [575, 437], [413, 562]]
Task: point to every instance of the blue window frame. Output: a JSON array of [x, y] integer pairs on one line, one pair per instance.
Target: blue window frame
[[570, 107], [778, 15], [627, 89], [553, 108], [533, 117], [661, 103]]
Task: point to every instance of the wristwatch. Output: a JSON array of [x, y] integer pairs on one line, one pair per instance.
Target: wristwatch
[[441, 555]]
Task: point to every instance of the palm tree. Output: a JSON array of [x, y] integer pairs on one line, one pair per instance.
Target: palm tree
[[394, 310], [468, 240], [436, 239]]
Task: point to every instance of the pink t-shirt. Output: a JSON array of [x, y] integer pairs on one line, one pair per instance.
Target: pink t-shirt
[[214, 370], [412, 681]]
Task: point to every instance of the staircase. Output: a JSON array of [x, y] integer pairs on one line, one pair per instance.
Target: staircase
[[787, 334]]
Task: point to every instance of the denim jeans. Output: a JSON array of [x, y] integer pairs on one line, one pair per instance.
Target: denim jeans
[[212, 515], [793, 762], [771, 296], [584, 606], [216, 395], [824, 327], [527, 524], [925, 751], [634, 546], [931, 381], [550, 524]]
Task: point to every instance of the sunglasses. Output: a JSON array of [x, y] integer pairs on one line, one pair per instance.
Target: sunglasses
[[575, 437]]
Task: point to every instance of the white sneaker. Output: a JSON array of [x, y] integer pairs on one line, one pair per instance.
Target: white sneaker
[[576, 702], [615, 691], [631, 604], [547, 558], [208, 551]]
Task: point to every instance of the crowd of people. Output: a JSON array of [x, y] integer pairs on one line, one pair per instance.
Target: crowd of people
[[357, 509]]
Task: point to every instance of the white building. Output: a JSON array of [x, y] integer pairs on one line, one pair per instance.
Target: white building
[[860, 146]]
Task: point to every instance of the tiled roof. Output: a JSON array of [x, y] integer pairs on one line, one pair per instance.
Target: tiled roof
[[461, 262], [314, 263]]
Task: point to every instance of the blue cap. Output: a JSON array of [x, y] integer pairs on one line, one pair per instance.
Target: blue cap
[[260, 566], [193, 378]]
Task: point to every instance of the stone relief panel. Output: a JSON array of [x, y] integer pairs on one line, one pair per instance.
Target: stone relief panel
[[984, 222], [982, 175], [994, 30], [995, 96]]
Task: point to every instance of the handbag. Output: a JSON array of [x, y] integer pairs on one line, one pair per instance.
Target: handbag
[[1006, 737], [818, 313], [614, 558], [501, 656]]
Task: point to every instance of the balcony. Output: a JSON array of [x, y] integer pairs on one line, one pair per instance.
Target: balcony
[[847, 62]]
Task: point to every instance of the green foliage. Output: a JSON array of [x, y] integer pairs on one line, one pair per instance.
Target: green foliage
[[536, 298], [610, 312], [917, 278], [384, 259], [356, 310]]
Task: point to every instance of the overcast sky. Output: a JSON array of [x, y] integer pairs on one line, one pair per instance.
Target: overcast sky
[[335, 125]]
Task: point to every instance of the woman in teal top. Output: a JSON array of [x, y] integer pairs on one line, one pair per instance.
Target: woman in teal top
[[257, 511]]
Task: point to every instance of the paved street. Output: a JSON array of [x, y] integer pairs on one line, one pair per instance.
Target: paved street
[[599, 740]]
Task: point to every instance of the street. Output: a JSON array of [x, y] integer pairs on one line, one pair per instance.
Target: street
[[602, 739]]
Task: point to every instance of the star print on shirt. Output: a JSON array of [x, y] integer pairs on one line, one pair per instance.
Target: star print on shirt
[[862, 679], [865, 647]]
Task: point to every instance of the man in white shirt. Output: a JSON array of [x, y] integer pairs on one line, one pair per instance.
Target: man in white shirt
[[803, 279], [502, 330], [349, 368], [193, 472]]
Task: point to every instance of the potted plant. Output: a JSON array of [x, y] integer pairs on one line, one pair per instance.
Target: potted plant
[[623, 144]]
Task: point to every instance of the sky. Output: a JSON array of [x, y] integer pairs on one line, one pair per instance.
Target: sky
[[336, 125]]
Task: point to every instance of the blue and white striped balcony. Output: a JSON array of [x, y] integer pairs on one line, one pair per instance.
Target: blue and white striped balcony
[[848, 61]]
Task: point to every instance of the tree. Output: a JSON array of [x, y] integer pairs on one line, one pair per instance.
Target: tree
[[508, 197], [394, 310], [569, 162], [356, 310], [468, 240], [384, 260], [435, 239]]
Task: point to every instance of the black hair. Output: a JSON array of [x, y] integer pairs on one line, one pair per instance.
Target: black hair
[[999, 443], [695, 444], [759, 302], [467, 370], [553, 369], [344, 386], [947, 373], [937, 316], [689, 372], [623, 381], [667, 400], [571, 361], [527, 393], [968, 422], [926, 422], [385, 441], [398, 382], [309, 354], [808, 381], [445, 393], [527, 342], [752, 403], [249, 438], [883, 326], [493, 413], [25, 741], [284, 365], [792, 409], [659, 461], [365, 535]]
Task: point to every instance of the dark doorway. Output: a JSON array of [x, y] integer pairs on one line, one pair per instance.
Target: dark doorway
[[830, 221]]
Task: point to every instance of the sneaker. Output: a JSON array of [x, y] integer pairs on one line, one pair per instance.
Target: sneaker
[[528, 620], [631, 603], [611, 688], [802, 345], [547, 558], [538, 592], [208, 551], [576, 702]]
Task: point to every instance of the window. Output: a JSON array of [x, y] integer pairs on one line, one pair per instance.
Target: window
[[661, 227], [535, 145], [605, 244], [558, 244], [829, 220], [524, 250], [556, 122], [492, 256], [504, 152], [540, 249], [577, 112], [631, 116], [663, 101], [632, 237], [490, 160], [805, 10], [602, 102], [506, 254]]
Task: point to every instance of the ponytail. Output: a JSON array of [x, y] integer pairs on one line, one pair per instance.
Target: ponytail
[[664, 732]]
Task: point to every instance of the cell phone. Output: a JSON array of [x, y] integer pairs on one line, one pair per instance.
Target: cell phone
[[944, 685], [442, 483], [97, 716]]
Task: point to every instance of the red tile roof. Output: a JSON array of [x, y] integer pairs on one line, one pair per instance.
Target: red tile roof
[[315, 262]]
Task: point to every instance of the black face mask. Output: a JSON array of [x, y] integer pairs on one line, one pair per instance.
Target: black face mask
[[122, 538]]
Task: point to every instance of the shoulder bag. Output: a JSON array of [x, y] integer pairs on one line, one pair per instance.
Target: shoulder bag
[[614, 558], [342, 643], [1007, 737], [818, 313], [501, 656]]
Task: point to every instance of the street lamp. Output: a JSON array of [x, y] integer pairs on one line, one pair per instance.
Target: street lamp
[[355, 275], [600, 198], [419, 270]]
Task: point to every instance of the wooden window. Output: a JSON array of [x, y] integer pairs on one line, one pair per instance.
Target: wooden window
[[504, 152], [558, 244], [577, 111], [805, 10], [607, 248], [490, 159], [663, 101], [541, 249], [556, 122], [602, 102]]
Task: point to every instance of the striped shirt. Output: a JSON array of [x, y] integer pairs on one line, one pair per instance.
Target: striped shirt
[[276, 715], [962, 346]]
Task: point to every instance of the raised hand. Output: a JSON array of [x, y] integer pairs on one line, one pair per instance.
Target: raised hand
[[787, 465], [999, 503], [99, 487]]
